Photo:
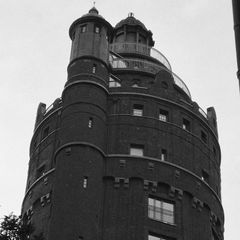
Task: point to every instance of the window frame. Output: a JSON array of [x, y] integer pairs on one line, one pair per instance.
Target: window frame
[[136, 147], [83, 28], [137, 110], [158, 212], [163, 115]]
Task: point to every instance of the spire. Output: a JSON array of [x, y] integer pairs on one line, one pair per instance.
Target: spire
[[93, 10]]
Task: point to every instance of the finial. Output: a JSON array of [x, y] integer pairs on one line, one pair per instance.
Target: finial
[[94, 4], [131, 14]]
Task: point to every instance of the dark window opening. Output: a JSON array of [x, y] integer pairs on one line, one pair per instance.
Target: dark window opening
[[163, 115], [97, 29], [136, 150], [137, 110], [186, 124], [94, 68], [164, 155], [85, 182], [83, 29], [90, 122]]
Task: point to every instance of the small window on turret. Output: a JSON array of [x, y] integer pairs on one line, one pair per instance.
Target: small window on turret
[[94, 68], [83, 29], [97, 29]]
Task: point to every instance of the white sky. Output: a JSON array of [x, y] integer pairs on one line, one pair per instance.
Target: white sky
[[195, 35]]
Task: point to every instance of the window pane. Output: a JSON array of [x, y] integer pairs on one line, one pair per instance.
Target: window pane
[[136, 151], [137, 110], [150, 201], [167, 206], [161, 211]]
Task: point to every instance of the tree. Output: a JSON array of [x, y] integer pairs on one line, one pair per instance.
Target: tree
[[13, 228]]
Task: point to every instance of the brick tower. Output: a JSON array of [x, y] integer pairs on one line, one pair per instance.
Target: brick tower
[[124, 153]]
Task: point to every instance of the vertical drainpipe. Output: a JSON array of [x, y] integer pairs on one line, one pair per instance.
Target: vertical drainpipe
[[236, 20]]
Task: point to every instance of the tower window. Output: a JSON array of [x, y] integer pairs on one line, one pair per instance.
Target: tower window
[[97, 29], [90, 122], [163, 115], [164, 155], [85, 182], [83, 29], [137, 110], [186, 124], [160, 210], [94, 68], [136, 150], [204, 136]]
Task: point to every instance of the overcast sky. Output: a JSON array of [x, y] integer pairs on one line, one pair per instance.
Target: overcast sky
[[195, 35]]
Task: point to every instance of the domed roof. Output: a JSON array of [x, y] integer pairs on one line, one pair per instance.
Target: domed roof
[[93, 12], [130, 20]]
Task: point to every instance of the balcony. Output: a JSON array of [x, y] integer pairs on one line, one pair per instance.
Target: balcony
[[140, 49], [147, 66]]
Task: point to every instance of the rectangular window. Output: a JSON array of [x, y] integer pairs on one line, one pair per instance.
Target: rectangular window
[[94, 68], [136, 150], [83, 28], [85, 182], [160, 210], [97, 29], [186, 125], [90, 122], [204, 136], [163, 115], [163, 154], [137, 110]]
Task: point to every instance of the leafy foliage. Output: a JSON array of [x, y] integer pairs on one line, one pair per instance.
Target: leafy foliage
[[13, 228]]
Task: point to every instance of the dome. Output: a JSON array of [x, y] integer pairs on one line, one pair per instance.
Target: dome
[[93, 12], [130, 20]]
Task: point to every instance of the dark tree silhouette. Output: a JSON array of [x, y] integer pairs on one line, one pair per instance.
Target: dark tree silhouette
[[13, 228]]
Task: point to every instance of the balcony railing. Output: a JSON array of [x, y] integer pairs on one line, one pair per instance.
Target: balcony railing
[[144, 65], [140, 49]]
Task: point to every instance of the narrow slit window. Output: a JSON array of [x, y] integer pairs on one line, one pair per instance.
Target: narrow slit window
[[85, 182], [90, 122], [163, 154], [97, 29], [94, 68]]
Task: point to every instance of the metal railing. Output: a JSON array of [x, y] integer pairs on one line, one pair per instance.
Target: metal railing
[[144, 65], [140, 49]]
